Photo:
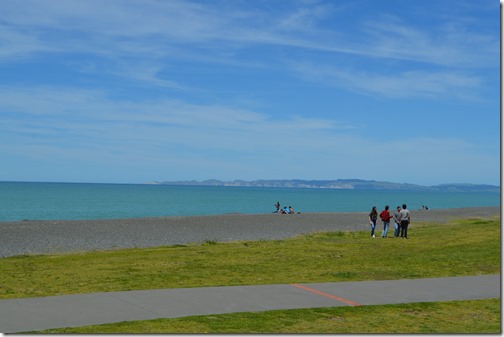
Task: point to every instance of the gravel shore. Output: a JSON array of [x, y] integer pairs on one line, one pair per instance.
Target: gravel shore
[[46, 237]]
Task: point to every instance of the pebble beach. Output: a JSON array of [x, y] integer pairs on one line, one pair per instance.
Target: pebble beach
[[49, 237]]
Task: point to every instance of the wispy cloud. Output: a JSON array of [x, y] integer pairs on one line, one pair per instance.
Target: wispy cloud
[[392, 38], [85, 126], [59, 113], [143, 39], [131, 26], [165, 81], [429, 84]]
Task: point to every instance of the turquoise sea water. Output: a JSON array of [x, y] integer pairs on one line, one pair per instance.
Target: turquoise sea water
[[69, 201]]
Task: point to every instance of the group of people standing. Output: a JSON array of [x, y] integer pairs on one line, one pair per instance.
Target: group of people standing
[[402, 219]]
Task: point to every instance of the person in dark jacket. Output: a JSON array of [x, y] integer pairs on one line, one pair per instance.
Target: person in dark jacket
[[373, 216]]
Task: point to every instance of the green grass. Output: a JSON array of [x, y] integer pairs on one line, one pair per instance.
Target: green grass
[[470, 247], [482, 316]]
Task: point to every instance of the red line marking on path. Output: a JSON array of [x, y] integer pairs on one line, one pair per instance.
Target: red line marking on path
[[355, 304]]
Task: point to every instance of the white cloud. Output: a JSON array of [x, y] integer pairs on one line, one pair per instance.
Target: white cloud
[[415, 83], [85, 126], [55, 113], [139, 44], [143, 39], [152, 28]]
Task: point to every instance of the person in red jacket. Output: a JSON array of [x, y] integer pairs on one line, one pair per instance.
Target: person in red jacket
[[385, 216]]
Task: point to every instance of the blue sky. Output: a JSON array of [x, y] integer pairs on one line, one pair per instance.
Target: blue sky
[[130, 91]]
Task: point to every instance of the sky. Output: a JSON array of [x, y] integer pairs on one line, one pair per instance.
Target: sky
[[132, 91]]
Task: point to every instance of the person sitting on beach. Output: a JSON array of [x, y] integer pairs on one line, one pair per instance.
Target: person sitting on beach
[[285, 210], [291, 210]]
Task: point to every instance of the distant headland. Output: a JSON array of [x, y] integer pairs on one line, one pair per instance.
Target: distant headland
[[346, 184]]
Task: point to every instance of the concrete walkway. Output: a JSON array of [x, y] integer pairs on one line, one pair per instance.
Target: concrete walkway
[[22, 315]]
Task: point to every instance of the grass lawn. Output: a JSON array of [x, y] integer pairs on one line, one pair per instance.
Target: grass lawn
[[469, 247], [457, 249]]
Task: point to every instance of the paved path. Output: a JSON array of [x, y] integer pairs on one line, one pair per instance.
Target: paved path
[[21, 315]]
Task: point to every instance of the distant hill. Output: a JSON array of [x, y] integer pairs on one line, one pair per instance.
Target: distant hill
[[347, 184]]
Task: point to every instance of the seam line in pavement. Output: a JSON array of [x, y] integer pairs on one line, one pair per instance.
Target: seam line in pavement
[[340, 299]]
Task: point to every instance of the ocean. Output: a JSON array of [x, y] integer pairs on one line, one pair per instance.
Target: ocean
[[79, 201]]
